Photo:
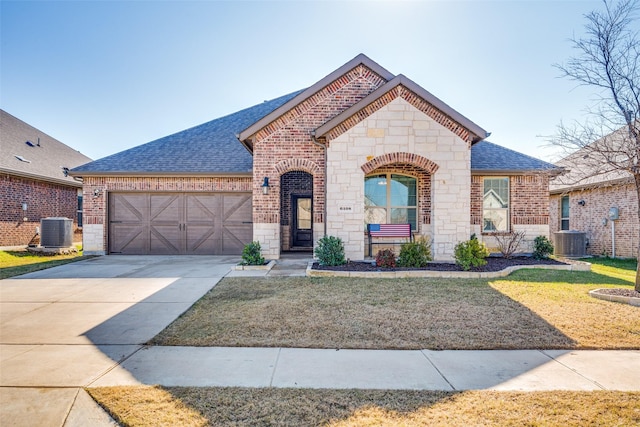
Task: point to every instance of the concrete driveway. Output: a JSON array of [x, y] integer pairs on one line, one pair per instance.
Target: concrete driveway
[[62, 328]]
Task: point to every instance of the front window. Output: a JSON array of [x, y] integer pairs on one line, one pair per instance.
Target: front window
[[495, 205], [564, 213], [79, 210], [391, 199]]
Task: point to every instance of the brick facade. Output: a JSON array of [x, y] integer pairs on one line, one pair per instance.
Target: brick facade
[[528, 201], [590, 218], [95, 207], [43, 200], [287, 145]]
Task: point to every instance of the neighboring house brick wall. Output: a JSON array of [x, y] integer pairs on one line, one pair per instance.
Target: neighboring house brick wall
[[394, 130], [43, 200], [286, 145], [528, 208], [95, 218], [589, 218]]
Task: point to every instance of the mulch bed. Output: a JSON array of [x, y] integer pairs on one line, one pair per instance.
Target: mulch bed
[[493, 264]]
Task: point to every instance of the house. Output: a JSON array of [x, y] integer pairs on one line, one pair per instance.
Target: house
[[597, 200], [360, 146], [34, 181]]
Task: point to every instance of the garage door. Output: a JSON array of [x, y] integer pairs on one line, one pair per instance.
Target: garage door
[[179, 223]]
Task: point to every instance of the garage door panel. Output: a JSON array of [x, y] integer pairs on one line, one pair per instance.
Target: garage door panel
[[128, 238], [180, 223], [166, 208]]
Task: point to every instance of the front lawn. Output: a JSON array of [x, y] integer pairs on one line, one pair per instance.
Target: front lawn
[[530, 309], [191, 406], [15, 263]]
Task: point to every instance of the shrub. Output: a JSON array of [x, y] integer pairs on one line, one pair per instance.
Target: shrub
[[386, 258], [542, 247], [251, 254], [415, 254], [471, 253], [330, 251], [509, 243]]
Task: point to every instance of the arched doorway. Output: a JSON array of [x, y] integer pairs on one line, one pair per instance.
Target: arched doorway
[[296, 211]]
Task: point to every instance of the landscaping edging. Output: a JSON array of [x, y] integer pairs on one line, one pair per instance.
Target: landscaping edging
[[571, 266], [268, 266], [615, 298]]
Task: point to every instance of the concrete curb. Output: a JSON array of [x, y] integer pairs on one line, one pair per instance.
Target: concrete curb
[[615, 298], [571, 266], [267, 267]]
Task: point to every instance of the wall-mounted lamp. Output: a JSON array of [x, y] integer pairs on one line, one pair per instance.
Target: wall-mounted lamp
[[265, 185], [24, 207], [581, 202], [96, 192]]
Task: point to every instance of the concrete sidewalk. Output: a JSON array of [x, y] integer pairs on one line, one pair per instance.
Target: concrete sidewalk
[[452, 370]]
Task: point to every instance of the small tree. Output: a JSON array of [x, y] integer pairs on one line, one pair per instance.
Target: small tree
[[607, 60]]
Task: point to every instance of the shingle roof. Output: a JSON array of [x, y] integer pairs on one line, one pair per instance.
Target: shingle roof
[[209, 148], [489, 157], [29, 152]]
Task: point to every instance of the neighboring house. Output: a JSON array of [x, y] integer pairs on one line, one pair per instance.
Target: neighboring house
[[361, 145], [34, 183], [583, 198]]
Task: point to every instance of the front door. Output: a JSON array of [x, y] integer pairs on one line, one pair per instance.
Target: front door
[[302, 221]]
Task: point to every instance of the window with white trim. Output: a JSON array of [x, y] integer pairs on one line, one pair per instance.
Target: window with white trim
[[391, 199], [495, 205]]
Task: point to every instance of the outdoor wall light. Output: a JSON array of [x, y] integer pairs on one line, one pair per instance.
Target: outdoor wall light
[[96, 192], [581, 202], [24, 207], [265, 185]]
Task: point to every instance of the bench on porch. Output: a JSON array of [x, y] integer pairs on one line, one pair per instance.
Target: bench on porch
[[388, 230]]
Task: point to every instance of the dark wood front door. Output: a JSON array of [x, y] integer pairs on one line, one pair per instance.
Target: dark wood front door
[[302, 221]]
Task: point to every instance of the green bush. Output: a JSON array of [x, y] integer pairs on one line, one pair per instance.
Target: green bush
[[251, 254], [330, 251], [471, 253], [542, 247], [386, 258], [415, 254]]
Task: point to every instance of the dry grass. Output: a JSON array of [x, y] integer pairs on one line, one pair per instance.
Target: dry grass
[[530, 309], [145, 406]]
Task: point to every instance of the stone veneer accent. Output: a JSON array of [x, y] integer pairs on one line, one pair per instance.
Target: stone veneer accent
[[95, 217], [589, 218], [386, 136]]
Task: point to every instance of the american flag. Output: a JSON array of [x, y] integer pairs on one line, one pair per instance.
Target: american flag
[[390, 230]]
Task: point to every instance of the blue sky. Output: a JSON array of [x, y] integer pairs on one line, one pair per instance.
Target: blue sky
[[106, 76]]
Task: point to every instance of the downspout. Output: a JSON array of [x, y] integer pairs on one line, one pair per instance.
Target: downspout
[[324, 208]]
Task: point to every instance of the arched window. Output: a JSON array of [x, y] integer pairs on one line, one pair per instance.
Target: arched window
[[391, 199]]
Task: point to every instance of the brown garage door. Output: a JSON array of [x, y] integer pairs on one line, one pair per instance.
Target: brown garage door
[[179, 223]]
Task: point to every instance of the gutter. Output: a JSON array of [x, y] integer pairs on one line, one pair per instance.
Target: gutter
[[324, 148]]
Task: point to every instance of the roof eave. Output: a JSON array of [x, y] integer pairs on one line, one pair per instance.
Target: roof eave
[[550, 172], [580, 187], [401, 80], [59, 181], [361, 59], [84, 174]]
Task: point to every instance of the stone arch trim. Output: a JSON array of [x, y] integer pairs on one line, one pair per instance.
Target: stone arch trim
[[401, 157], [298, 164]]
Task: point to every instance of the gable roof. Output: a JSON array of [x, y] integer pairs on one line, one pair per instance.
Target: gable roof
[[489, 158], [208, 149], [31, 153], [400, 80], [246, 135]]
